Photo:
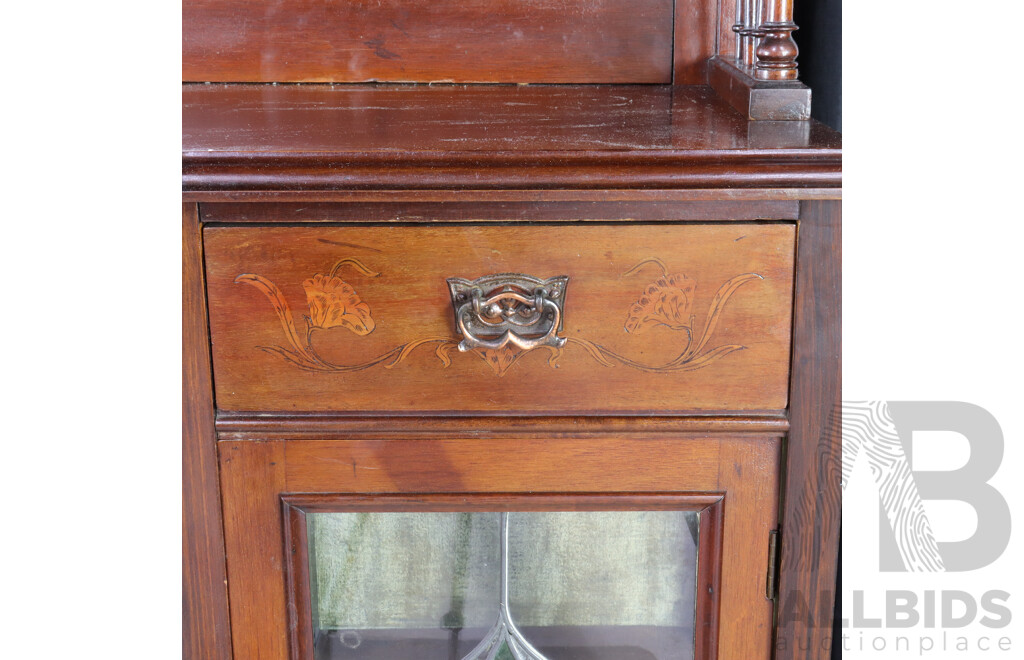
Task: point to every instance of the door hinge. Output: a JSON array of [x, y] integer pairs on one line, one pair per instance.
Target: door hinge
[[772, 583]]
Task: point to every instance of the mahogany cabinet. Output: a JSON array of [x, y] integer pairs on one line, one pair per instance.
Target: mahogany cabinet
[[476, 369]]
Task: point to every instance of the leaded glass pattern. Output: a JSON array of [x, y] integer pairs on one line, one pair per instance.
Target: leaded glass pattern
[[525, 585]]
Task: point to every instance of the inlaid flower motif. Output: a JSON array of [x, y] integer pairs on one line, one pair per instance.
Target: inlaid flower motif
[[667, 301], [334, 303]]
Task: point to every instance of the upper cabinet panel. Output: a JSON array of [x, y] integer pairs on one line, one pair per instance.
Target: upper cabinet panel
[[495, 41]]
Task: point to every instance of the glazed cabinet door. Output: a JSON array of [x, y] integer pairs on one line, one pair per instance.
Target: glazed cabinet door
[[506, 545]]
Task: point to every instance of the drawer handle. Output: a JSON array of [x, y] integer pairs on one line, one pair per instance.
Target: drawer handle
[[509, 308]]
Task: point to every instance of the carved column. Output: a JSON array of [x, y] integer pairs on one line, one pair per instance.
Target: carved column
[[776, 54]]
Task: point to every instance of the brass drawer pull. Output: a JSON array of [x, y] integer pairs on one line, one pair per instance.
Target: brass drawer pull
[[509, 308]]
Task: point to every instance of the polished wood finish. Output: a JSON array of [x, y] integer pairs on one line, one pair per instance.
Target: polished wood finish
[[749, 472], [756, 99], [611, 473], [776, 52], [540, 463], [205, 625], [709, 585], [695, 32], [762, 41], [273, 166], [478, 212], [318, 138], [432, 196], [494, 41], [252, 477], [659, 319], [235, 425], [811, 514]]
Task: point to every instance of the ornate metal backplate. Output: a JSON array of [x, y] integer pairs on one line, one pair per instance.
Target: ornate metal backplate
[[494, 311]]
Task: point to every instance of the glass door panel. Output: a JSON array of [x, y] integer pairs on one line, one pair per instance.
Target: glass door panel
[[582, 585]]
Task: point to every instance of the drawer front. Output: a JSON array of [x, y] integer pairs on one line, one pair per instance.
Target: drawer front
[[633, 319]]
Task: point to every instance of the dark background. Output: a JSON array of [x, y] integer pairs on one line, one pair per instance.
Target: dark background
[[820, 39]]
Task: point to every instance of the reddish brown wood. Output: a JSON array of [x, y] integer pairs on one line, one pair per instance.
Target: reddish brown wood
[[564, 41], [635, 154], [749, 471], [328, 425], [457, 473], [759, 194], [792, 168], [297, 568], [463, 464], [709, 550], [484, 212], [319, 138], [205, 625], [776, 51], [446, 118], [709, 582], [696, 26], [635, 297], [756, 99], [811, 514], [447, 502], [252, 475], [726, 20]]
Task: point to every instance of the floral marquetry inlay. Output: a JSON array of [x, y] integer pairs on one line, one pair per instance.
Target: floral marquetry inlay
[[333, 303]]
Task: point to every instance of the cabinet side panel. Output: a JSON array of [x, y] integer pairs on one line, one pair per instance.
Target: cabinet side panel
[[205, 627], [811, 514]]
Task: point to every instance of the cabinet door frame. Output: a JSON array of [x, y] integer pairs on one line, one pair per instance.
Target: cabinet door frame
[[267, 485]]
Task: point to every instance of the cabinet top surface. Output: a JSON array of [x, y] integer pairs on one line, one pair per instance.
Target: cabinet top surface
[[271, 120]]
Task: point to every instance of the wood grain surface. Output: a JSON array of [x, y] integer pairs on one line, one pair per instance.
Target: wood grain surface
[[490, 212], [298, 119], [252, 475], [205, 624], [749, 473], [477, 473], [812, 504], [636, 296], [304, 138], [497, 41], [695, 35]]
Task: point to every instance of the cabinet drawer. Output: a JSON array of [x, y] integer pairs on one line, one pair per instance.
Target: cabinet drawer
[[576, 319]]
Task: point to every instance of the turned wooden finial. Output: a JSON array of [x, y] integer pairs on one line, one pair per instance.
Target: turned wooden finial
[[776, 53]]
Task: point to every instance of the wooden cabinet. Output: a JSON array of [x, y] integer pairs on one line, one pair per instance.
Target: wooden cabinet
[[489, 370]]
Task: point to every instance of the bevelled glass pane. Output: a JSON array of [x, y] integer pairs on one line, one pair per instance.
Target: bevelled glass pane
[[614, 585]]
